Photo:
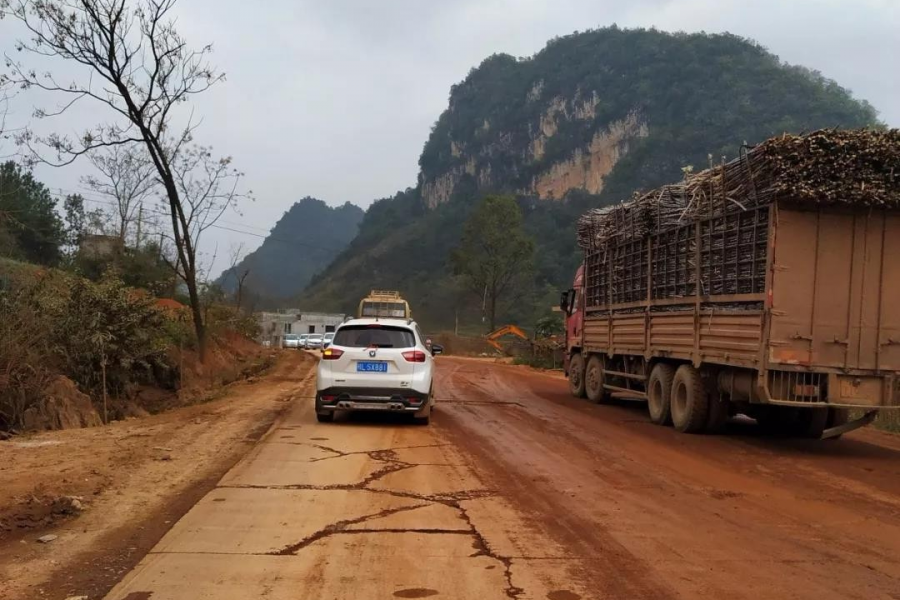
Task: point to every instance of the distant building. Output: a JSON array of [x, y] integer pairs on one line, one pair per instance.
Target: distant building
[[101, 246], [274, 325]]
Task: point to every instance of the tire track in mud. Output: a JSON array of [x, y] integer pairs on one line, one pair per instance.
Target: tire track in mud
[[736, 515]]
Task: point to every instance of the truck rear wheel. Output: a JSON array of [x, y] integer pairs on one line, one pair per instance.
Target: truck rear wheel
[[594, 380], [659, 392], [689, 400], [576, 376]]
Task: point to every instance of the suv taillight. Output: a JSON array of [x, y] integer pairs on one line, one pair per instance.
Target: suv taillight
[[414, 356], [332, 353]]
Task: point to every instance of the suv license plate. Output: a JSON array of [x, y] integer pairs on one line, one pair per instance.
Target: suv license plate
[[371, 367]]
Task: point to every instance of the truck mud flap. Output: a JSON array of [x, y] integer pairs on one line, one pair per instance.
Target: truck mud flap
[[834, 432]]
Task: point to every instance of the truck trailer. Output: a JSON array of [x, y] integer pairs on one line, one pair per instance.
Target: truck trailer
[[767, 286]]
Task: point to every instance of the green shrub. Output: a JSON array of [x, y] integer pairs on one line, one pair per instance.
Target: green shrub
[[108, 323], [25, 337]]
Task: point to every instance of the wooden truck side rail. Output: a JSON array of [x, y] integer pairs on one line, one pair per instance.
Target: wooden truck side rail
[[769, 322], [706, 336]]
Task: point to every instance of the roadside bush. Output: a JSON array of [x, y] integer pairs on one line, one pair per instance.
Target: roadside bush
[[24, 341], [107, 324], [221, 318], [54, 324]]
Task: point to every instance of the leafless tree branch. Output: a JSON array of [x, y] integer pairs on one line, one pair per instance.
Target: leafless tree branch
[[140, 69], [127, 178]]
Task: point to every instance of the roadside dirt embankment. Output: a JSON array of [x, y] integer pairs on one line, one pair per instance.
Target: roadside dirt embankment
[[109, 494]]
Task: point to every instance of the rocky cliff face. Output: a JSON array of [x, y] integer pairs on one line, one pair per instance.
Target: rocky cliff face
[[587, 167], [583, 168]]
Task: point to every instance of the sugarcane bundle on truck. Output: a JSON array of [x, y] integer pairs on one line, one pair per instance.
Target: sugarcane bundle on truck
[[765, 286]]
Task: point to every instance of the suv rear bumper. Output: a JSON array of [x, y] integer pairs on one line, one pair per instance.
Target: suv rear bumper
[[377, 399]]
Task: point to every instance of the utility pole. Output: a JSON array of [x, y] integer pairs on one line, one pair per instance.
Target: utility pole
[[137, 241]]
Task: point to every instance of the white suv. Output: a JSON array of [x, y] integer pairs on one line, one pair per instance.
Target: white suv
[[376, 364]]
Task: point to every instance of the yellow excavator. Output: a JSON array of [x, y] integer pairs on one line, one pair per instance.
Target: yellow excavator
[[493, 337]]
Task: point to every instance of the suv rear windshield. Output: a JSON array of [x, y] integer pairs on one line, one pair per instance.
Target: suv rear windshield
[[366, 336]]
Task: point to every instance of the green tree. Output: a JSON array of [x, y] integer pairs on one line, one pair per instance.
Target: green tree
[[30, 228], [495, 253], [144, 73]]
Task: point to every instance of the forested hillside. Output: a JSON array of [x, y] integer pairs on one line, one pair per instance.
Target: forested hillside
[[588, 120], [303, 242]]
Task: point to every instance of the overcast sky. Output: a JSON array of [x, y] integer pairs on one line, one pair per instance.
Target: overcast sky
[[335, 98]]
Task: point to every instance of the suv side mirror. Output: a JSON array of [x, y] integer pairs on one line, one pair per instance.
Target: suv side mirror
[[437, 349]]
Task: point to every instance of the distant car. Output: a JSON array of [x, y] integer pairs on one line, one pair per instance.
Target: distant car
[[326, 341], [376, 364], [314, 341], [303, 338], [291, 341]]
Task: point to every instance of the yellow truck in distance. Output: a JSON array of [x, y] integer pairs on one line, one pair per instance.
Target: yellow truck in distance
[[384, 303]]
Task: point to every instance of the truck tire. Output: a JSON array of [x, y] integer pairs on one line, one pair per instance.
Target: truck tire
[[689, 401], [594, 380], [659, 392], [576, 376]]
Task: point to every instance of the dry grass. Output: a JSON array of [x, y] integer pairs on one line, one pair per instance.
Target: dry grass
[[889, 420]]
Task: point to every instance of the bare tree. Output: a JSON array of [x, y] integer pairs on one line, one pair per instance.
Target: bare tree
[[127, 178], [140, 70], [240, 273], [207, 187]]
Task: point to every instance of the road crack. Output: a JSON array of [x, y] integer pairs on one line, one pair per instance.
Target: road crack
[[393, 464], [384, 454], [340, 527]]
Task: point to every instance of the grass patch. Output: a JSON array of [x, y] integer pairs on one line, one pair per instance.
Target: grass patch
[[539, 361], [888, 420]]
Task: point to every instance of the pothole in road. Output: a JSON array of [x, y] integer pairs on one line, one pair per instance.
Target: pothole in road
[[563, 595], [415, 593]]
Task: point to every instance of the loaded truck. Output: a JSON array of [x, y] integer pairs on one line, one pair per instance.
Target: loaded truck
[[385, 304], [766, 286]]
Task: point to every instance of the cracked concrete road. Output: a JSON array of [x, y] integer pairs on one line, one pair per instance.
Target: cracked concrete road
[[367, 508], [519, 491]]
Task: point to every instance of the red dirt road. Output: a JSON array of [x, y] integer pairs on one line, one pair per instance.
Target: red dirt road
[[516, 491], [656, 514]]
